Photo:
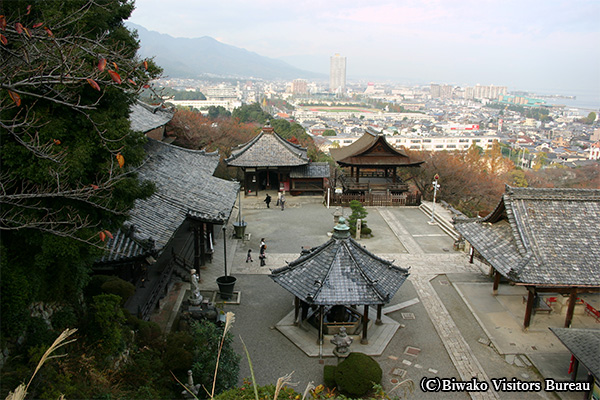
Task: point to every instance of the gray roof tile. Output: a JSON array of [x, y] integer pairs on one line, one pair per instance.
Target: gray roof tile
[[541, 236], [584, 344], [341, 271], [185, 187], [144, 117], [268, 149]]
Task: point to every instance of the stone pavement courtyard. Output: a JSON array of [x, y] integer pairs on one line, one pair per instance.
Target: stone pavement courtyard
[[449, 323]]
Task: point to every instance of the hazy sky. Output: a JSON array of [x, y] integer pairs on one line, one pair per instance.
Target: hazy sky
[[522, 44]]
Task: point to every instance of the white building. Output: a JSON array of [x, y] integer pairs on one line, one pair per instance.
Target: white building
[[337, 74]]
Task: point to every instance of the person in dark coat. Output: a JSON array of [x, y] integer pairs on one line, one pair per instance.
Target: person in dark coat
[[262, 254], [268, 200]]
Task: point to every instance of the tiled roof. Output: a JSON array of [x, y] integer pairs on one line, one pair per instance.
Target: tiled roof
[[122, 247], [144, 117], [541, 236], [340, 272], [185, 187], [584, 344], [312, 170], [371, 149], [268, 149]]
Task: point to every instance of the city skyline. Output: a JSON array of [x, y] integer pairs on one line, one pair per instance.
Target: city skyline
[[529, 46]]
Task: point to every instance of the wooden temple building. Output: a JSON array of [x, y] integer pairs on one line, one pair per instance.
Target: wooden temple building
[[331, 281], [269, 162], [175, 226], [370, 167], [546, 240]]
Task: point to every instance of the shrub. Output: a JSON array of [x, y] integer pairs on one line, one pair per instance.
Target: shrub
[[207, 338], [329, 375], [119, 287], [246, 392], [64, 318], [178, 353], [357, 374], [358, 212]]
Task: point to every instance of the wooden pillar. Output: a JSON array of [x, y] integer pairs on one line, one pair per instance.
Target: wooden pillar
[[529, 308], [378, 320], [296, 310], [574, 369], [365, 339], [471, 254], [571, 308], [496, 282], [197, 256], [268, 186], [202, 246], [321, 311], [357, 174]]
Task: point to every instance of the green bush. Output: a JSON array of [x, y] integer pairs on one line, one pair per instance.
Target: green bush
[[246, 392], [94, 287], [357, 374], [329, 375], [178, 354], [207, 338], [119, 287], [64, 318]]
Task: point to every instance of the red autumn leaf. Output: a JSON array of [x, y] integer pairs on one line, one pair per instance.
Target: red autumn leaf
[[108, 234], [19, 27], [95, 187], [48, 31], [2, 22], [120, 160], [146, 65], [15, 97], [102, 64], [146, 86], [93, 84], [131, 81], [102, 236], [28, 9], [3, 39], [56, 142], [115, 77], [37, 25], [26, 31], [116, 66]]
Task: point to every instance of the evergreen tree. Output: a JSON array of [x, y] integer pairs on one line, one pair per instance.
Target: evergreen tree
[[68, 76]]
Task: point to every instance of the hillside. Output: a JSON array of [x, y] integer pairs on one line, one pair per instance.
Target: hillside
[[205, 56]]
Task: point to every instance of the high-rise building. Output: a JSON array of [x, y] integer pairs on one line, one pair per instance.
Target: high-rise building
[[337, 74]]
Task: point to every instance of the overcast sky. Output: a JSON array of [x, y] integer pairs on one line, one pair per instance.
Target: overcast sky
[[523, 44]]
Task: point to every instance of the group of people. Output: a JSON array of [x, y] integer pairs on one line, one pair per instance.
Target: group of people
[[262, 253], [280, 200]]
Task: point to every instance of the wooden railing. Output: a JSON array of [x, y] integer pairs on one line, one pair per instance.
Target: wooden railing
[[158, 291], [378, 200]]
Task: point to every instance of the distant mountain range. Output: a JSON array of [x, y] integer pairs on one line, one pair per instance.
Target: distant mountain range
[[205, 57]]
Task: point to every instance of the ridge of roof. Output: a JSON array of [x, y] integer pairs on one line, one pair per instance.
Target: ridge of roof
[[279, 150]]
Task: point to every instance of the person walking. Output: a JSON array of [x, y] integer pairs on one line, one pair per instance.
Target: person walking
[[249, 256], [268, 200], [282, 201], [262, 253], [278, 199]]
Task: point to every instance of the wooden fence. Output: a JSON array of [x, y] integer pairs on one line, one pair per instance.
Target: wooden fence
[[377, 199]]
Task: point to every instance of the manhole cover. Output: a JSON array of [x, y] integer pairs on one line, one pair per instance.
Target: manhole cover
[[408, 315], [399, 372], [413, 351]]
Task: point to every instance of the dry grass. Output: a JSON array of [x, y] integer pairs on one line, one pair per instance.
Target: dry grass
[[21, 391]]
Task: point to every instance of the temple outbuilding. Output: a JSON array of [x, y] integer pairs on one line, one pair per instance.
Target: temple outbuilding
[[269, 162], [546, 240]]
